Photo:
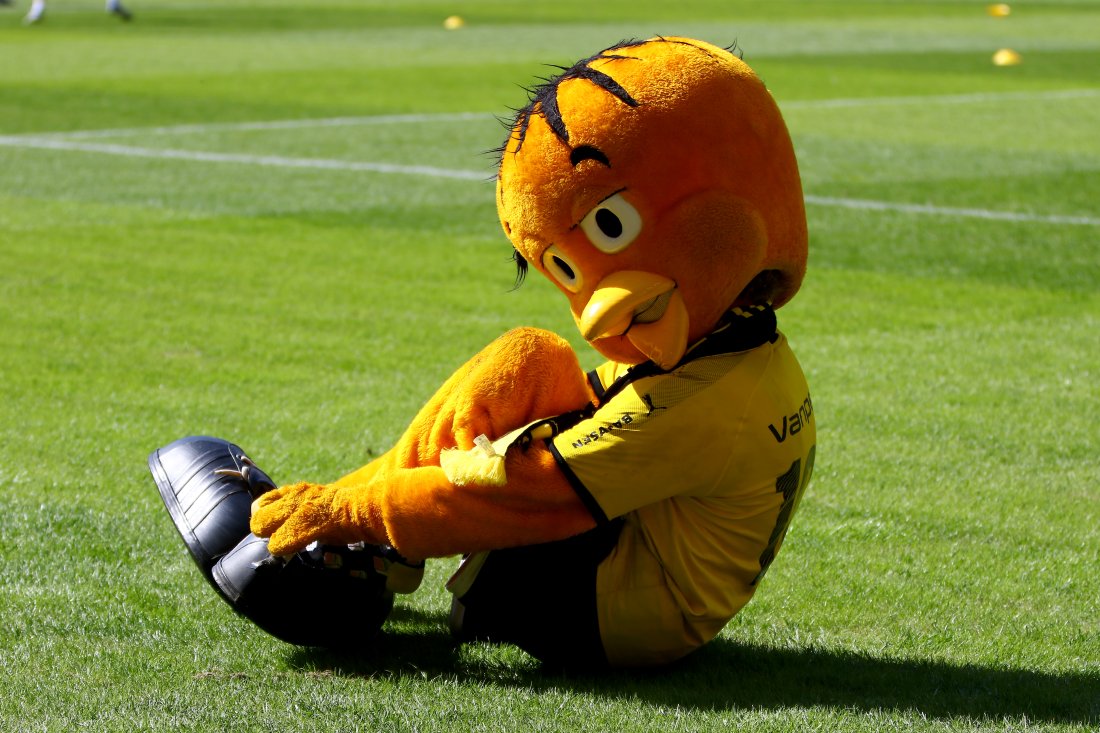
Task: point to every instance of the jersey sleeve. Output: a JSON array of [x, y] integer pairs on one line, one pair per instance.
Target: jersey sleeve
[[649, 442]]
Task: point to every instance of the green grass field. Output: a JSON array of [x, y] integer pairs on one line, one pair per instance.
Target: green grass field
[[273, 221]]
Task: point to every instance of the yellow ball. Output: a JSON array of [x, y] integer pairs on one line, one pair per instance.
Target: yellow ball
[[1007, 57], [453, 23], [999, 10]]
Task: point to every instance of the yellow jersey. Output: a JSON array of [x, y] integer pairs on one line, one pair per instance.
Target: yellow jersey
[[706, 463]]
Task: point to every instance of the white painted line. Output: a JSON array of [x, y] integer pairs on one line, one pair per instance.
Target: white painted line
[[949, 211], [271, 125], [265, 160], [976, 98]]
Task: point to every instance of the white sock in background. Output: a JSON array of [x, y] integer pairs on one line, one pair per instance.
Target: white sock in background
[[38, 9]]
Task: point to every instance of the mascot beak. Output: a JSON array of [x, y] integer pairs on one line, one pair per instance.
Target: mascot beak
[[646, 308]]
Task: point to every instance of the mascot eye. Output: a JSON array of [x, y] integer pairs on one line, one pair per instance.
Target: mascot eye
[[561, 269], [612, 225]]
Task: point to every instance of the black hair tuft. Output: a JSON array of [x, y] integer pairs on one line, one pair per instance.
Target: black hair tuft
[[521, 268], [542, 98]]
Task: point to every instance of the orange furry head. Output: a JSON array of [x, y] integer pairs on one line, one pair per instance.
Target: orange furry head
[[656, 185]]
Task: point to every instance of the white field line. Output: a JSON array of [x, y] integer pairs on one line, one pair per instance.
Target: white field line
[[949, 211], [935, 99], [406, 119], [277, 161]]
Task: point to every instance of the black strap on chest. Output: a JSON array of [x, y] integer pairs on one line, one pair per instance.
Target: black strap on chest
[[741, 329]]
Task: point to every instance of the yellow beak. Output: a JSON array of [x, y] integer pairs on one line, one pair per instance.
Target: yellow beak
[[646, 308]]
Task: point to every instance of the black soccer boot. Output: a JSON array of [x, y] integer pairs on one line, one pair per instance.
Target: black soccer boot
[[323, 596], [208, 486], [329, 596]]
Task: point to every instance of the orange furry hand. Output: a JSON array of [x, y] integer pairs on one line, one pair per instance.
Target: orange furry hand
[[294, 516]]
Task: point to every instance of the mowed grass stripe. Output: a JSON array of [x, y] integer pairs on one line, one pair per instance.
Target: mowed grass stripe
[[281, 161], [469, 175]]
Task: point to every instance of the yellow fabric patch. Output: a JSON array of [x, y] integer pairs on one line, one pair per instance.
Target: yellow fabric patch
[[480, 465], [484, 463]]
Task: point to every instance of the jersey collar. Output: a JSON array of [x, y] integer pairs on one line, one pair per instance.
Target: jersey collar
[[740, 329]]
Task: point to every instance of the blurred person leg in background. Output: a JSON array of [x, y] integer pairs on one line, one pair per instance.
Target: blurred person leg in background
[[38, 10]]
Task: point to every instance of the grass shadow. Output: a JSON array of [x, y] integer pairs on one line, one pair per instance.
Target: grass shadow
[[729, 676]]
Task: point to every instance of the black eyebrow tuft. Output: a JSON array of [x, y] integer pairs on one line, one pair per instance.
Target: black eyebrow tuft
[[582, 153]]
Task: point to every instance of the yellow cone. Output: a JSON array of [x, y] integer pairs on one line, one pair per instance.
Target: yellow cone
[[1007, 57], [453, 23], [999, 10]]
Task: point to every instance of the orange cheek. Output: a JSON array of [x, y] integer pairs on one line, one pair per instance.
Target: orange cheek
[[713, 244]]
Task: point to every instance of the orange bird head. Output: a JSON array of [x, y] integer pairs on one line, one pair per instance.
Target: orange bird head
[[655, 184]]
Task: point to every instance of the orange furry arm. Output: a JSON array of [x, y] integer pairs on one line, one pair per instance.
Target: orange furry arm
[[422, 514], [425, 515]]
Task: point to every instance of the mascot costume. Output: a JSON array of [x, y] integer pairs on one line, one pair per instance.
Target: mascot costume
[[619, 517]]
